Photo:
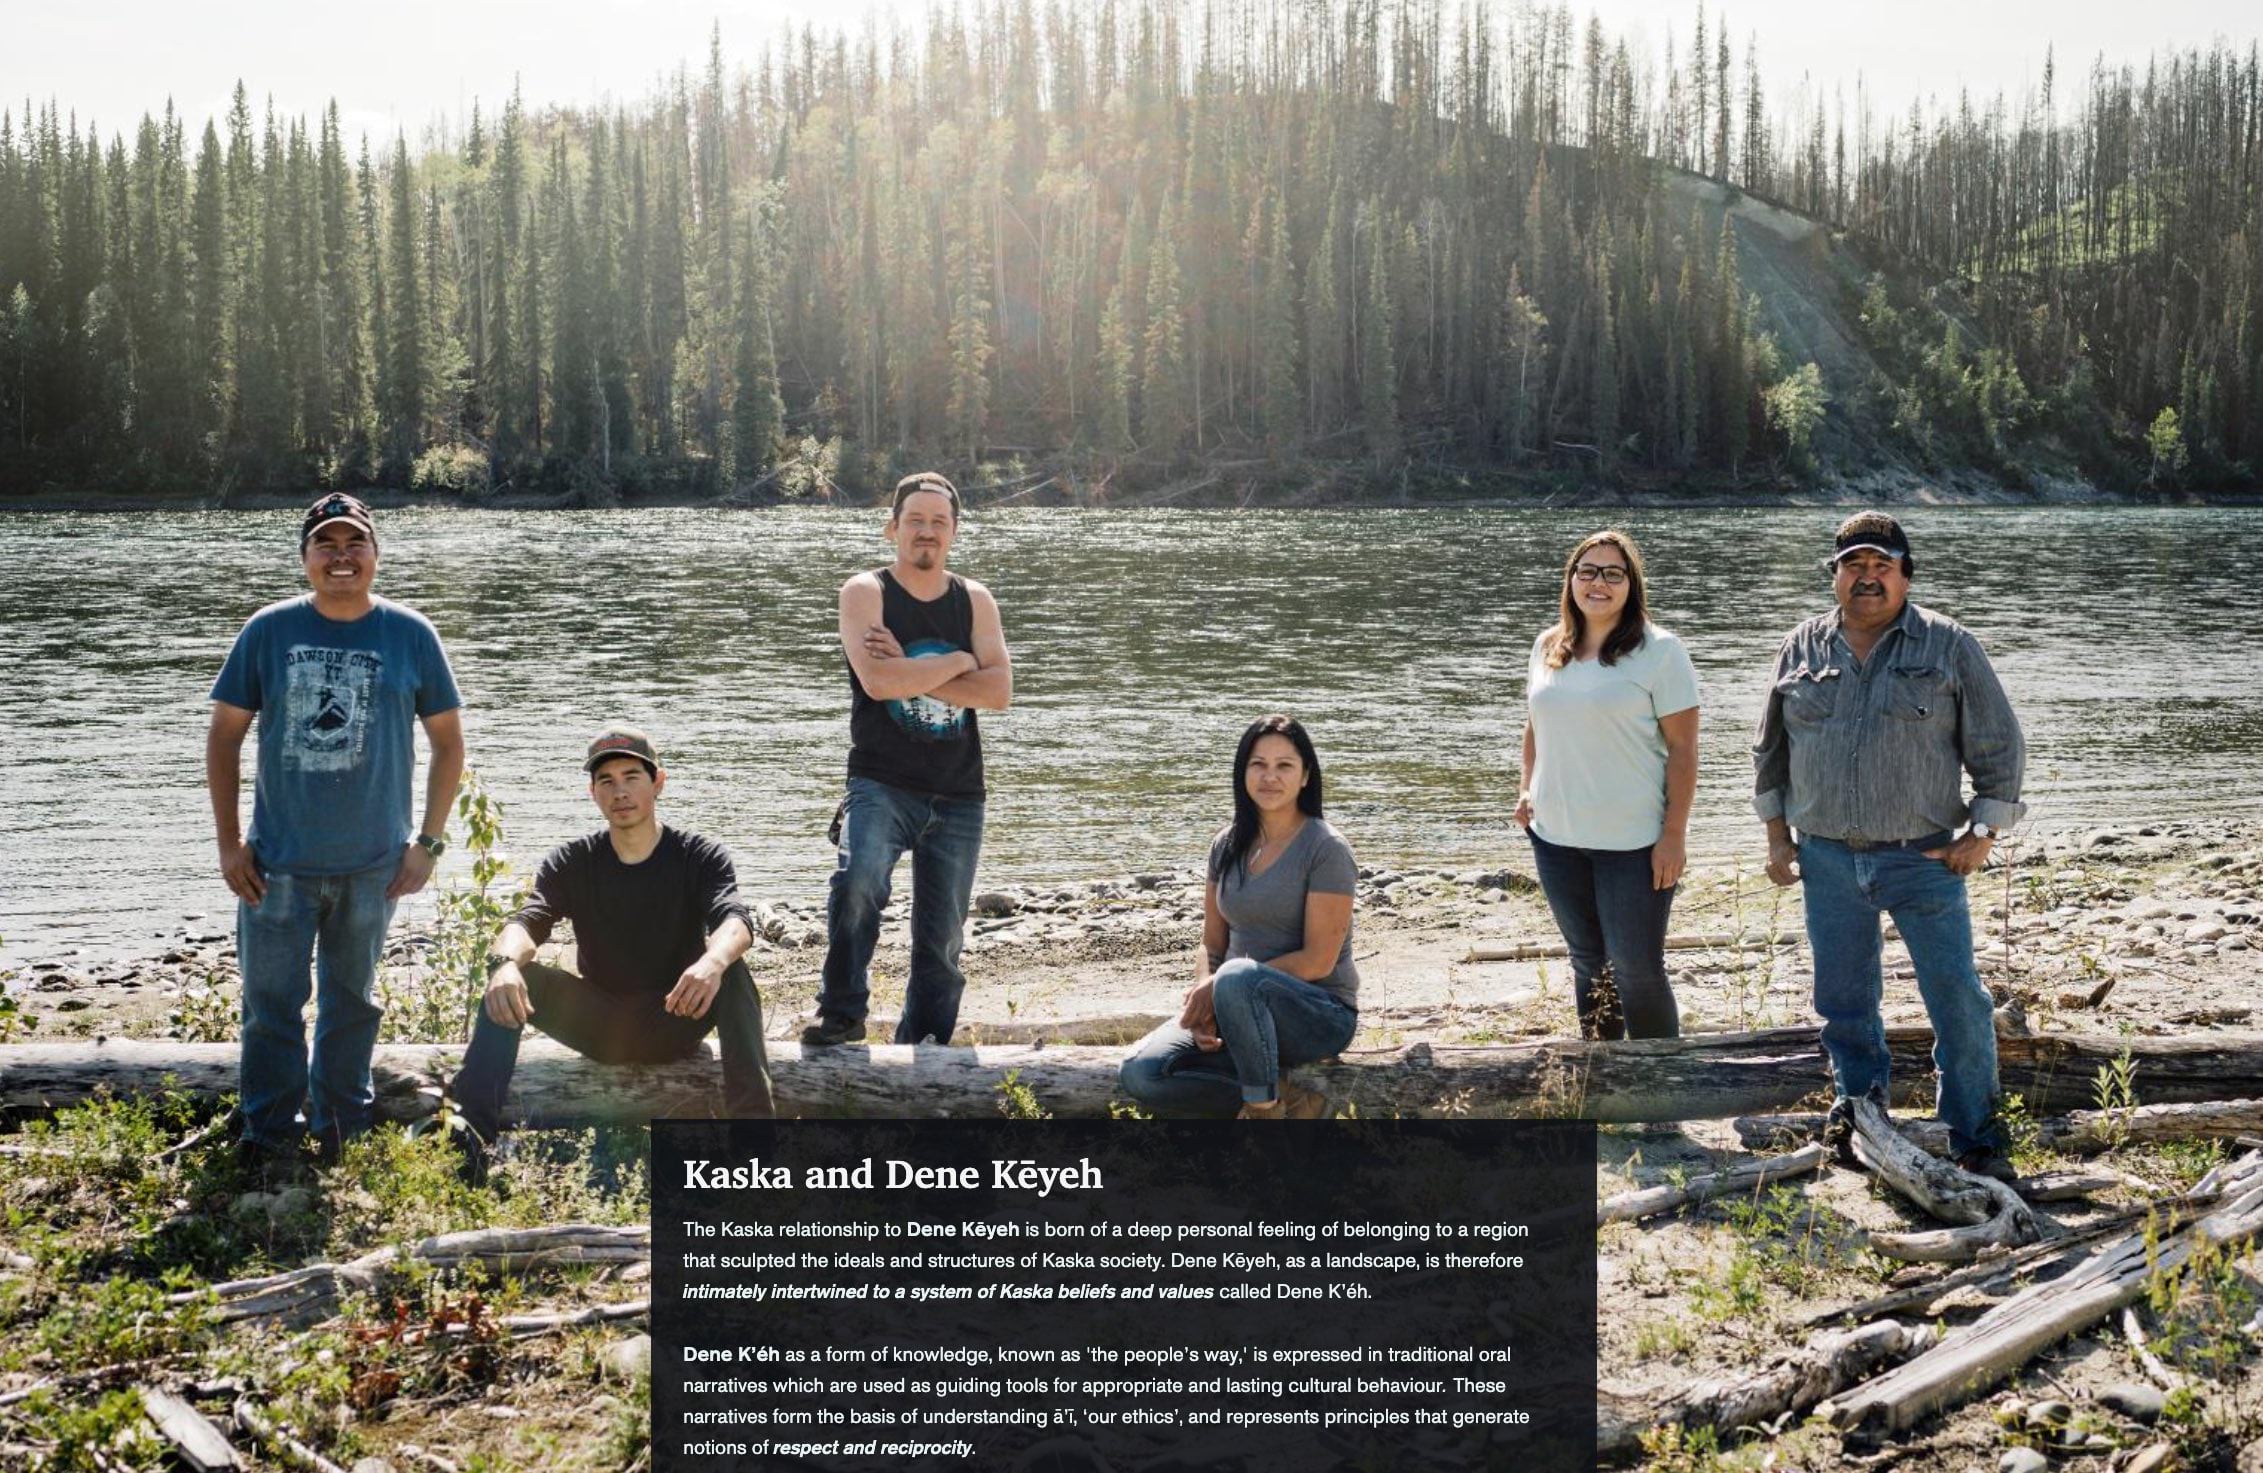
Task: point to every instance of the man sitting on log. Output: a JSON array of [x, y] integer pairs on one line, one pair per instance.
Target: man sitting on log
[[659, 931], [1875, 713]]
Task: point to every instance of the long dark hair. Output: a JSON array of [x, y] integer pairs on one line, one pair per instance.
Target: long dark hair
[[1571, 625], [1242, 837]]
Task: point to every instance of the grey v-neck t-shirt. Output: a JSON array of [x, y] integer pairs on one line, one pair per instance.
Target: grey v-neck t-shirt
[[1265, 913]]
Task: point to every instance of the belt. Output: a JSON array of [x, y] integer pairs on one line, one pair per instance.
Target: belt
[[1936, 840]]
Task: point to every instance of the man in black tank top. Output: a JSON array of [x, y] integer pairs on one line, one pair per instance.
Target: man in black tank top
[[925, 652]]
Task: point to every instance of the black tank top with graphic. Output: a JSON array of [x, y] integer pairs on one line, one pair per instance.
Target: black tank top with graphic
[[923, 745]]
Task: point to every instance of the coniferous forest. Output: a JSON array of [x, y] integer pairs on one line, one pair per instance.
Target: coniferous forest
[[1135, 239]]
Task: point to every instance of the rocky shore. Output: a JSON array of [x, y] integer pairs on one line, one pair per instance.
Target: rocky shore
[[2154, 927]]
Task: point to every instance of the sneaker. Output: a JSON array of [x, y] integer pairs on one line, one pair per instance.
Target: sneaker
[[826, 1032], [1987, 1161], [1838, 1133]]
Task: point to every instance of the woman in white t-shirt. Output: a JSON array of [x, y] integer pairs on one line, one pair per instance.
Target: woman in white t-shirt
[[1610, 767]]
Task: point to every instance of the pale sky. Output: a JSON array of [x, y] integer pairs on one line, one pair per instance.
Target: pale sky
[[407, 63]]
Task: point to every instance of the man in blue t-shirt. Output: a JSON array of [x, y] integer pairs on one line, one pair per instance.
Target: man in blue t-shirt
[[337, 679]]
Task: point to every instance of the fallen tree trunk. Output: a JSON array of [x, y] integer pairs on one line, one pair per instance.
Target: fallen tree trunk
[[316, 1288], [2076, 1133], [1794, 1382], [1701, 1077], [1969, 1361], [1750, 1176]]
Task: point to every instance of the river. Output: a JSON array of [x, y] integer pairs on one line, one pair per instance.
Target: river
[[1143, 642]]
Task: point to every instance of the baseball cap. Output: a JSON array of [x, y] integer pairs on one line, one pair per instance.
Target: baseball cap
[[1870, 532], [336, 507], [919, 481], [621, 741]]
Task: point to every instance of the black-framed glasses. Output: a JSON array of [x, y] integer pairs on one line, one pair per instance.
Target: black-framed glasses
[[1609, 573]]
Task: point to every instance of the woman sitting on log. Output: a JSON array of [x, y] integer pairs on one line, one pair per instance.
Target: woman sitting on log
[[1610, 768], [1274, 986]]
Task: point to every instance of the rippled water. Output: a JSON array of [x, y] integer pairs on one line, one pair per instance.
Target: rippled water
[[1143, 642]]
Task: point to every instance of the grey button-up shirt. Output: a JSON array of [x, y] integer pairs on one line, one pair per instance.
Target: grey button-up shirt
[[1877, 750]]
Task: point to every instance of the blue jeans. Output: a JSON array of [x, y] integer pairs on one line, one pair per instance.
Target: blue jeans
[[1845, 890], [1269, 1021], [944, 836], [613, 1029], [341, 921], [1610, 916]]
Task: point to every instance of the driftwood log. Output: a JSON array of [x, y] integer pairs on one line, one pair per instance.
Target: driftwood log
[[1746, 1177], [196, 1441], [1792, 1383], [1988, 1213], [2076, 1133], [1701, 1077], [315, 1290], [1970, 1360]]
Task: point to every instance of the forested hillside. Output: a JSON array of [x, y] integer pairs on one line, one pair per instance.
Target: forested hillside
[[1140, 244]]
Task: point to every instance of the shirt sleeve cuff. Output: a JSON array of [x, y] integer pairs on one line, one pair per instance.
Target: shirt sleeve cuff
[[1998, 813], [1769, 805]]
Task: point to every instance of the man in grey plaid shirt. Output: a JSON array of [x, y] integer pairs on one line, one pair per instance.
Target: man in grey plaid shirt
[[1876, 713]]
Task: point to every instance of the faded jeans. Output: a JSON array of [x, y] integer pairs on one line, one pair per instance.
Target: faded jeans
[[1611, 916], [1269, 1021], [1845, 890], [944, 836], [341, 921]]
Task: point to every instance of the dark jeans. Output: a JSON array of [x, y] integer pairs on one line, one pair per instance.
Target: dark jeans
[[340, 921], [619, 1030], [1268, 1019], [944, 836], [1611, 918]]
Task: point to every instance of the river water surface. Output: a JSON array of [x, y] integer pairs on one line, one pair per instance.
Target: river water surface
[[1143, 642]]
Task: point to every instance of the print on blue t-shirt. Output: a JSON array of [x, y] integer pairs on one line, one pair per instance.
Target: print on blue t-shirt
[[337, 706]]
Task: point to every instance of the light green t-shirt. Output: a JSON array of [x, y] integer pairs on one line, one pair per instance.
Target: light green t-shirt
[[1599, 771]]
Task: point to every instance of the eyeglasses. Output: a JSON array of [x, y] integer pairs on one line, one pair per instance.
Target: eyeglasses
[[1589, 572]]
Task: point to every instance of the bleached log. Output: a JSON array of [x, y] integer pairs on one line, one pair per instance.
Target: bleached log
[[1991, 1214], [1700, 1077], [1527, 951], [316, 1288], [1970, 1360], [1749, 1176], [1794, 1382], [197, 1441], [2076, 1133]]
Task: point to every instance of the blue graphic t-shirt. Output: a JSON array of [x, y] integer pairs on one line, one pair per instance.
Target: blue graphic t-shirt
[[338, 705]]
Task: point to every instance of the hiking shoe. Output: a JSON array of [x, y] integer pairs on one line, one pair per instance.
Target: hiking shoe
[[826, 1032], [1987, 1161], [1838, 1133], [269, 1166], [1295, 1103]]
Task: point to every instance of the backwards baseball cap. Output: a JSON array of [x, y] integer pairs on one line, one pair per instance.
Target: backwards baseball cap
[[336, 507], [621, 741], [919, 481], [1870, 531]]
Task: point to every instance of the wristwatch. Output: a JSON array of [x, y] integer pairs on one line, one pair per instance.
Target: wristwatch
[[1985, 831], [496, 961], [432, 846]]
